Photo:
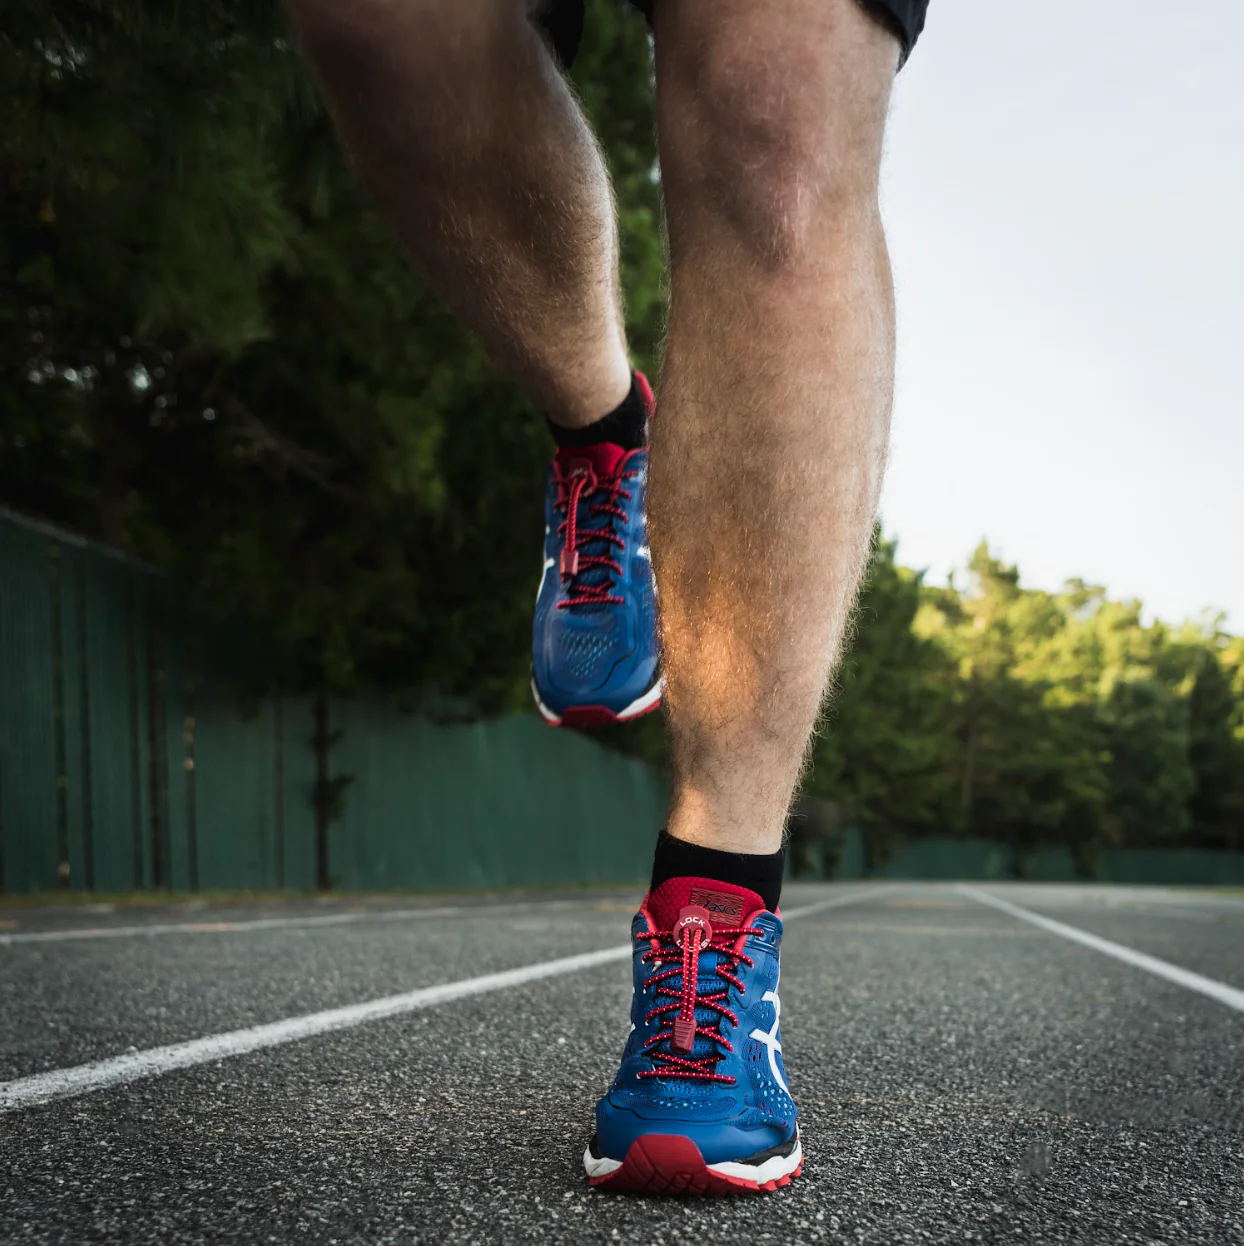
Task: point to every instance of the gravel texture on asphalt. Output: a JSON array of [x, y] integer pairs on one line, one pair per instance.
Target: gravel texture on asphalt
[[961, 1076]]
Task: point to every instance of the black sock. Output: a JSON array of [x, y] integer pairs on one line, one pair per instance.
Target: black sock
[[761, 873], [626, 425]]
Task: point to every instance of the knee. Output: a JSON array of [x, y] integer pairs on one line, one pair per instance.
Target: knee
[[775, 149]]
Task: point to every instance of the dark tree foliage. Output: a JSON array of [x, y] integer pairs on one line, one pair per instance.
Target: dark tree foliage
[[213, 355], [1038, 718], [882, 750]]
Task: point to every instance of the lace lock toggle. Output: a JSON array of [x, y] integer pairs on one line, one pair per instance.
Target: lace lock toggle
[[689, 917]]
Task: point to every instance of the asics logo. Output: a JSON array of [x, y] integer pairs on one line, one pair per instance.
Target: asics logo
[[718, 902]]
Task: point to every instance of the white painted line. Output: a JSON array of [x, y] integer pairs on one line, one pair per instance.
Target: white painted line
[[836, 902], [133, 1066], [1159, 968], [222, 927], [246, 925], [83, 1078]]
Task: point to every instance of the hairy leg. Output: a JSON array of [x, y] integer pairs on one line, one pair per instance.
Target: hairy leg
[[463, 128], [775, 402]]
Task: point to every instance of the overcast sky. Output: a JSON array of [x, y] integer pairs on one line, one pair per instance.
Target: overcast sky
[[1064, 193]]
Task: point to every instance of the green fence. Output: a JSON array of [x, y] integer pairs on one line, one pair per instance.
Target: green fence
[[123, 767], [944, 857]]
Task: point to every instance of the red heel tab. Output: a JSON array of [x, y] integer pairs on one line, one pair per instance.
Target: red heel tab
[[599, 460], [645, 392], [727, 905]]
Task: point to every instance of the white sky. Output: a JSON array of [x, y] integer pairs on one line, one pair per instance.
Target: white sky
[[1064, 194]]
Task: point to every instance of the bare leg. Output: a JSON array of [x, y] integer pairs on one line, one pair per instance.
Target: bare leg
[[775, 404], [463, 128]]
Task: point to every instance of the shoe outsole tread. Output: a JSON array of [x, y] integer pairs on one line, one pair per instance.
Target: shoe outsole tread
[[668, 1164], [599, 716]]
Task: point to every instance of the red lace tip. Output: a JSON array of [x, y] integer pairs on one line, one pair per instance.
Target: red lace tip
[[570, 562], [684, 1034]]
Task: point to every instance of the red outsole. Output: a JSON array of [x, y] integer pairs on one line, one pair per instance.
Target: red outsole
[[669, 1164], [598, 716]]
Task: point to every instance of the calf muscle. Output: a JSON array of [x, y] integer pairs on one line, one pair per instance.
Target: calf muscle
[[776, 395]]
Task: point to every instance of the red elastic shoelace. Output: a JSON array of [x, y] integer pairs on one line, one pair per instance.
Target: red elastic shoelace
[[692, 935], [573, 487]]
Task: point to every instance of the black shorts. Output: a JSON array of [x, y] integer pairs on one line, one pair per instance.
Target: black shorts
[[563, 19]]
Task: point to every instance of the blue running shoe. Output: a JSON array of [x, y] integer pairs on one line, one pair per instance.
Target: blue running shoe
[[594, 637], [700, 1104]]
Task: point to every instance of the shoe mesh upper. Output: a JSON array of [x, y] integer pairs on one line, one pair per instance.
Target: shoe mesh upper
[[587, 657], [727, 1119], [587, 652]]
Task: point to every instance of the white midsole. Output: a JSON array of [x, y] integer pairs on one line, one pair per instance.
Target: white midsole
[[770, 1170], [646, 702], [599, 1167], [546, 713], [636, 707]]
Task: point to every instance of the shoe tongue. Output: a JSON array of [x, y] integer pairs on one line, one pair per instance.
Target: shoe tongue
[[603, 458], [732, 904]]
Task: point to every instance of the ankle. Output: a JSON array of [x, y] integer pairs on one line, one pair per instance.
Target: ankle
[[750, 821], [626, 425], [757, 872]]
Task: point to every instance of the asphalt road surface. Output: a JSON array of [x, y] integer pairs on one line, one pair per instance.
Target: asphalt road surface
[[300, 1071]]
